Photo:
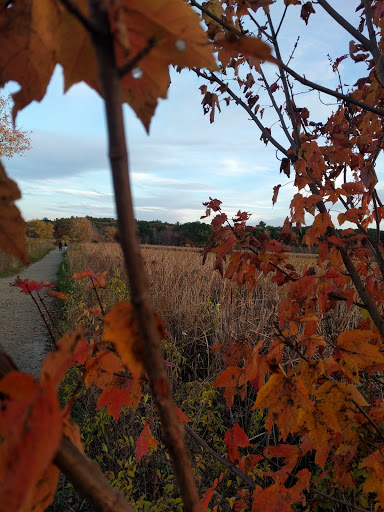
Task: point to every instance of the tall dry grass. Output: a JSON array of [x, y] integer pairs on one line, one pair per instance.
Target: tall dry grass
[[198, 306]]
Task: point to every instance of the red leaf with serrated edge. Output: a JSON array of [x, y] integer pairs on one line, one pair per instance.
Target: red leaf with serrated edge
[[100, 370], [58, 295], [235, 437], [181, 416], [113, 399], [80, 275], [71, 348], [30, 433], [97, 281], [211, 491], [233, 380], [144, 442]]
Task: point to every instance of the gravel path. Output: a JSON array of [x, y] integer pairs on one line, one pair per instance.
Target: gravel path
[[22, 332]]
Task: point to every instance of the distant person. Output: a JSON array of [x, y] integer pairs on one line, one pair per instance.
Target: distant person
[[60, 246], [65, 246]]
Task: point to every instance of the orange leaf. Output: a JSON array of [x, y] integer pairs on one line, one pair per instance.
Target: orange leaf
[[244, 45], [356, 354], [178, 40], [101, 368], [121, 329], [284, 397], [70, 348], [58, 295], [374, 465], [144, 442], [235, 437], [114, 398], [83, 273], [181, 416], [97, 280], [28, 42], [12, 226], [233, 380], [30, 431]]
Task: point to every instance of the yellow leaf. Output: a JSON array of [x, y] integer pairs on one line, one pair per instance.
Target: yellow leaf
[[284, 397]]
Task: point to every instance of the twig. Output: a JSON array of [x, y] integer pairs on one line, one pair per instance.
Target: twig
[[345, 24], [50, 316], [137, 58], [75, 11], [42, 315], [213, 78], [250, 483], [97, 295]]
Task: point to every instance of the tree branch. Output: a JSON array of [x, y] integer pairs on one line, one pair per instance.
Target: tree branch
[[213, 78], [345, 24], [376, 54], [278, 111], [75, 11], [330, 92], [173, 431], [137, 58], [285, 86]]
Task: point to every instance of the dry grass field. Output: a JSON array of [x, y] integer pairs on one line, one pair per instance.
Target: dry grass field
[[199, 307]]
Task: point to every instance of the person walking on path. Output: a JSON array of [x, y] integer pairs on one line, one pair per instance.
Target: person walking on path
[[60, 246]]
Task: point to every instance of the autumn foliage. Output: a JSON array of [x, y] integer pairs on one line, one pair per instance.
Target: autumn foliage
[[321, 395]]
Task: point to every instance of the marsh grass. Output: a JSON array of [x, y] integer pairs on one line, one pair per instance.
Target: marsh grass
[[198, 306]]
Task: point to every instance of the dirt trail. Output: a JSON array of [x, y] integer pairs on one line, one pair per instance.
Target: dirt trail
[[22, 332]]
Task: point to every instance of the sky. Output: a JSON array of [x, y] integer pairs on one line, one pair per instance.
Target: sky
[[185, 159]]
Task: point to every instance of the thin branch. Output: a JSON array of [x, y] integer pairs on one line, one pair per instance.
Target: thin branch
[[376, 54], [213, 78], [345, 24], [288, 99], [368, 418], [351, 269], [278, 111], [75, 11], [215, 18], [330, 92], [42, 316], [137, 58], [299, 78], [173, 432], [232, 467]]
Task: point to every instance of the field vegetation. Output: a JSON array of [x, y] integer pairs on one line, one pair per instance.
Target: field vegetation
[[37, 249], [201, 311]]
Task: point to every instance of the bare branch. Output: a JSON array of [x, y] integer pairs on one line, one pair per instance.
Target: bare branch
[[345, 24], [264, 131], [73, 9], [330, 92], [278, 111], [137, 58], [285, 86]]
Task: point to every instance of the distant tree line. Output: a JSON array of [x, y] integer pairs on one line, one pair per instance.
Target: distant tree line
[[155, 232]]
